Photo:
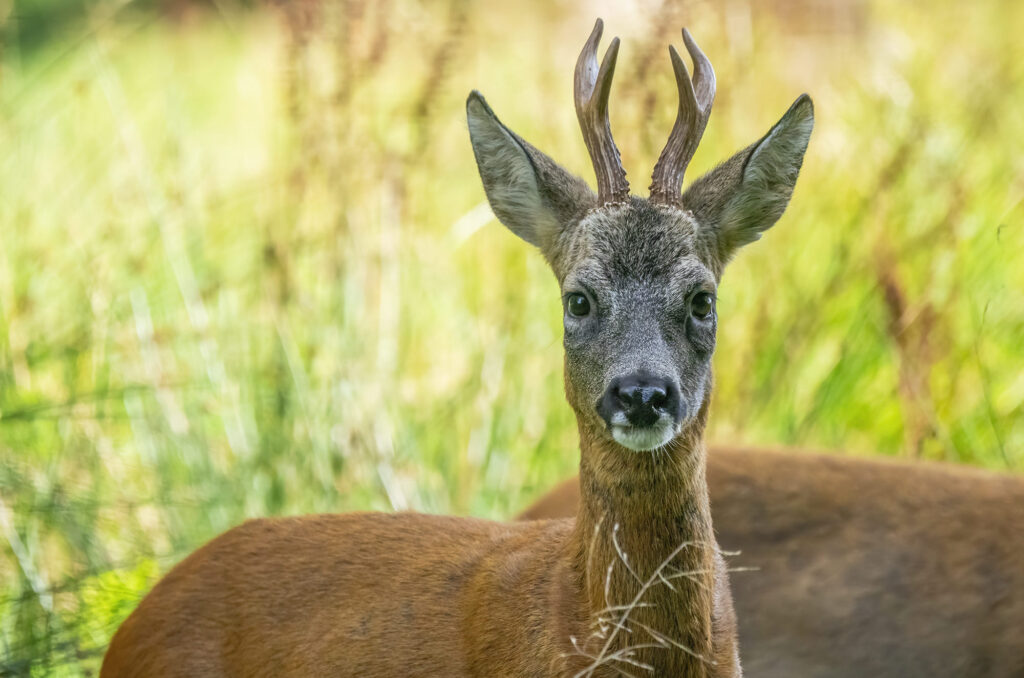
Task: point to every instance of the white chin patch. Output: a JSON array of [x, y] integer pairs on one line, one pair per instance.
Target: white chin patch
[[643, 439]]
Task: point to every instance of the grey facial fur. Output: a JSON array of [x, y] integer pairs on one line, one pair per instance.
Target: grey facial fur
[[639, 264]]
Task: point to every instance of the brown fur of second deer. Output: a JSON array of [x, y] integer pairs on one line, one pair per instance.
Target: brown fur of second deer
[[864, 567], [636, 581]]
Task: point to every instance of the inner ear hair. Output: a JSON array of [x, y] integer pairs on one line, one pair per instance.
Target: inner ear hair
[[744, 196], [528, 191]]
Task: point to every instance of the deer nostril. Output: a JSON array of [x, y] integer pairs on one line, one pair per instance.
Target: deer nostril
[[628, 396], [656, 397]]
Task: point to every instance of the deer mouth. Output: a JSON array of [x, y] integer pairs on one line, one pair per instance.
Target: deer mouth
[[644, 438]]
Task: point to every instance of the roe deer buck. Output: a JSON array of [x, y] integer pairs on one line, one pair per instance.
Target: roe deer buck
[[865, 567], [636, 581]]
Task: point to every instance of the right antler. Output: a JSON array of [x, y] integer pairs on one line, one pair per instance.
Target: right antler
[[695, 99], [591, 90]]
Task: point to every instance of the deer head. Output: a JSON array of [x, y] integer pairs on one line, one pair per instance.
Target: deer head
[[638, 276]]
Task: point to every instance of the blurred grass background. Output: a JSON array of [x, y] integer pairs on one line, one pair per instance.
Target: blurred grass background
[[247, 268]]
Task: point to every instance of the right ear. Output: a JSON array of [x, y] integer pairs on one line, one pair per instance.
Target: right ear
[[528, 191]]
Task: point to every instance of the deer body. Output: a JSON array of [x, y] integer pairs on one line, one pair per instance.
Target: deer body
[[864, 567], [366, 595], [415, 595], [635, 583]]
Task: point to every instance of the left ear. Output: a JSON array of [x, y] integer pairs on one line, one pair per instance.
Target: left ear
[[744, 196]]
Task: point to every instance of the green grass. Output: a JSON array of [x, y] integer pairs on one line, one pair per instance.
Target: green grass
[[246, 268]]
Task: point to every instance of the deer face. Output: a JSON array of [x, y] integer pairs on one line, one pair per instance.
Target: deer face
[[638, 276], [639, 318]]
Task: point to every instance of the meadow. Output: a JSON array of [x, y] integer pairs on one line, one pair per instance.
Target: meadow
[[247, 267]]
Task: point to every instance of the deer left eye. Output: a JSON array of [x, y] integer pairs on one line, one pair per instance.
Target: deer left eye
[[702, 305]]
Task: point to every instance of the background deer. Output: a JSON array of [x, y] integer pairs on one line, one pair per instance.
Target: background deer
[[865, 568], [636, 581]]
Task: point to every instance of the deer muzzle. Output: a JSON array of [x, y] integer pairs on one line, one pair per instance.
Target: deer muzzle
[[642, 411]]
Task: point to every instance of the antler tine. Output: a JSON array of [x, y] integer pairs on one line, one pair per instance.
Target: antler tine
[[703, 75], [695, 99], [591, 89]]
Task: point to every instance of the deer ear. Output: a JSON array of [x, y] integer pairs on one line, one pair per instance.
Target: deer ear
[[528, 191], [744, 196]]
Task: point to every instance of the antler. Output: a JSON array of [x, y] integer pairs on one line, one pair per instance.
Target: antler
[[591, 93], [695, 99]]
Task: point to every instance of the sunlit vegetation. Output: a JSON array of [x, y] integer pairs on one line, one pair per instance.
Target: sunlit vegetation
[[247, 268]]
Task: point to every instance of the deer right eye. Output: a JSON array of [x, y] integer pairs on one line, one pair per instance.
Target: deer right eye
[[578, 305]]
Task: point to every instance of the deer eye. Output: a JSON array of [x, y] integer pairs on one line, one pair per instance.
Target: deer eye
[[702, 305], [577, 304]]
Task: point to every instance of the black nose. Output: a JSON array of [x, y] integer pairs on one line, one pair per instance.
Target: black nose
[[642, 398]]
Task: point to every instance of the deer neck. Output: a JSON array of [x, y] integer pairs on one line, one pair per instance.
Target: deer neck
[[645, 554]]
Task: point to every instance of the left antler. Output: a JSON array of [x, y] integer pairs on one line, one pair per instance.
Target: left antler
[[695, 99]]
